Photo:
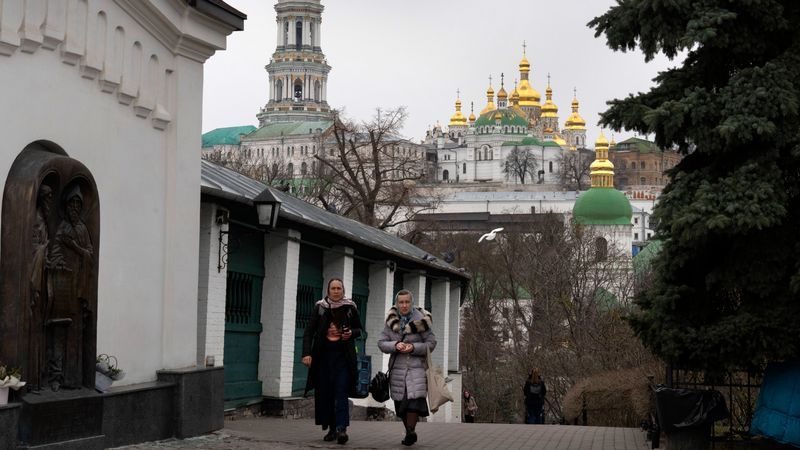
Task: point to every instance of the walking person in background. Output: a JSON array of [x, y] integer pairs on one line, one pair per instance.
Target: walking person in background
[[535, 391], [329, 353], [470, 407], [407, 336]]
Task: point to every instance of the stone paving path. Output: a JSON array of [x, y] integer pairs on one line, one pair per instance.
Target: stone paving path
[[270, 433]]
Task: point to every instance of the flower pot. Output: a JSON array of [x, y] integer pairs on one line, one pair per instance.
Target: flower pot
[[3, 396], [102, 382]]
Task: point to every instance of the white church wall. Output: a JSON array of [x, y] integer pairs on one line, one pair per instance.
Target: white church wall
[[109, 92]]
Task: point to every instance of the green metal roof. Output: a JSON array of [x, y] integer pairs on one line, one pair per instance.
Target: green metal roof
[[637, 145], [644, 258], [602, 206], [510, 117], [528, 140], [278, 129], [226, 136]]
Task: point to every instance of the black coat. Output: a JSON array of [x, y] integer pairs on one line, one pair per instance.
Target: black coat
[[315, 333], [533, 401]]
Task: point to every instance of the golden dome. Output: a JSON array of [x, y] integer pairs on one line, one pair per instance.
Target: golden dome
[[549, 109], [471, 113], [489, 99], [502, 93], [515, 95], [458, 118], [575, 121], [498, 116], [602, 170], [528, 96], [524, 65]]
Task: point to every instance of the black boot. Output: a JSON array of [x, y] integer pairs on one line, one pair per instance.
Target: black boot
[[411, 437], [341, 436], [330, 436]]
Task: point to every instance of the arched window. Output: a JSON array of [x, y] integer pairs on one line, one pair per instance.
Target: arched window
[[290, 170], [643, 180], [311, 34], [303, 168], [317, 91], [622, 164], [601, 249], [298, 34], [286, 33], [480, 154], [313, 167], [279, 90], [464, 168], [642, 165], [274, 170], [446, 175], [298, 89], [550, 166]]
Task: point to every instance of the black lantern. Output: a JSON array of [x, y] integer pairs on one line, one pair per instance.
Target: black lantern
[[268, 207]]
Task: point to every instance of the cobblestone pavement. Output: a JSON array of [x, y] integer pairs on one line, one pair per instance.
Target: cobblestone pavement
[[271, 433]]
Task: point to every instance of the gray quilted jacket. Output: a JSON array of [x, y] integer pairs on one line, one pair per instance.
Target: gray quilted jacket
[[408, 371]]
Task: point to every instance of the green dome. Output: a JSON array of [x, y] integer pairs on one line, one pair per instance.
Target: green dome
[[602, 206], [512, 117]]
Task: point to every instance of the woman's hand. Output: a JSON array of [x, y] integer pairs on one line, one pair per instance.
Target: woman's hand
[[404, 347], [307, 361], [347, 334]]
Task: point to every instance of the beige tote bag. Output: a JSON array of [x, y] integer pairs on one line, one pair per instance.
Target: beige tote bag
[[438, 394]]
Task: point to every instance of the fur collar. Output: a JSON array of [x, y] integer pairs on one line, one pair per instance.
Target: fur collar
[[422, 321]]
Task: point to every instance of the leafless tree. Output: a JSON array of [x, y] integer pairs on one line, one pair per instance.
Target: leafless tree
[[370, 173], [555, 298], [574, 169], [520, 163]]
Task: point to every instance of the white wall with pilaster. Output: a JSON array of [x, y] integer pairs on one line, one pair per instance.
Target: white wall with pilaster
[[278, 309], [63, 68], [211, 287]]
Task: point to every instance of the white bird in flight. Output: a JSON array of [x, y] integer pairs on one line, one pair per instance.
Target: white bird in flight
[[490, 235]]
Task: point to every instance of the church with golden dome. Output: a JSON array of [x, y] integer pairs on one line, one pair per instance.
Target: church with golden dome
[[515, 138]]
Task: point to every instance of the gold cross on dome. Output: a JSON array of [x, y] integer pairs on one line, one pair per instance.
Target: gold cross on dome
[[524, 47]]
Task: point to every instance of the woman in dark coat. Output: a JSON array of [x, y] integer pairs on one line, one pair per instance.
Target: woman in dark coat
[[535, 391], [329, 353], [407, 336]]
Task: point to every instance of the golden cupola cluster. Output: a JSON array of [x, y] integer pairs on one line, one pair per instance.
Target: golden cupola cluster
[[549, 109], [575, 121], [528, 96], [514, 96], [458, 119], [602, 170]]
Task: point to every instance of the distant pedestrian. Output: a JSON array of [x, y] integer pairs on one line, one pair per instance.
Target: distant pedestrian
[[535, 391], [330, 355], [470, 407], [407, 336]]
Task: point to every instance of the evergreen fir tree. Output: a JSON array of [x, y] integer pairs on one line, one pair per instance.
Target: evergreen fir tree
[[726, 292]]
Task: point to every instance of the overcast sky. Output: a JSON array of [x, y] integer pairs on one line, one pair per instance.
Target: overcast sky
[[416, 53]]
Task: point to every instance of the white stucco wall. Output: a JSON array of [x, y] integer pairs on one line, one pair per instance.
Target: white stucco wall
[[142, 148]]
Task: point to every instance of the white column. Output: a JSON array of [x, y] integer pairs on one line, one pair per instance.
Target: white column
[[278, 309], [319, 33], [338, 262], [414, 282], [381, 298], [324, 90], [182, 217], [212, 284], [453, 363], [305, 36], [279, 38], [440, 304], [292, 32]]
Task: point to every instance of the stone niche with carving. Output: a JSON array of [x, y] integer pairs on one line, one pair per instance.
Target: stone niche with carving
[[48, 271]]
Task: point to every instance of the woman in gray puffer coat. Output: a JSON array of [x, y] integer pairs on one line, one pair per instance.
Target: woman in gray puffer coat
[[407, 336]]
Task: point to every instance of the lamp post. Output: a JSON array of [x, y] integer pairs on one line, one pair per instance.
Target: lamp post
[[268, 207]]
